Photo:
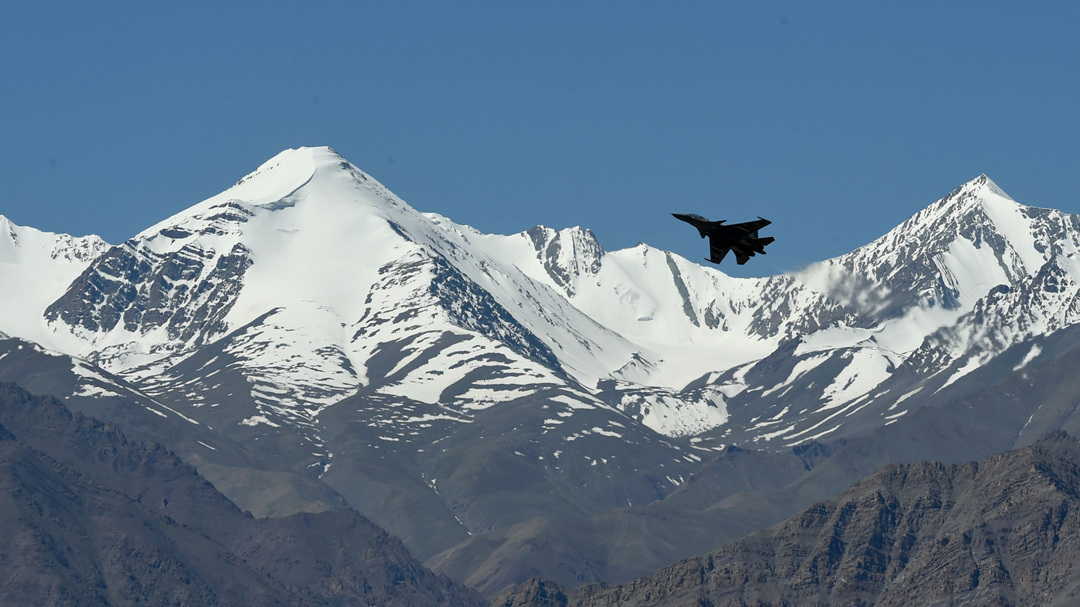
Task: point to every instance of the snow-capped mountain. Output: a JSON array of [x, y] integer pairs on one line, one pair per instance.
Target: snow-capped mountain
[[322, 284], [310, 254], [937, 297], [309, 339]]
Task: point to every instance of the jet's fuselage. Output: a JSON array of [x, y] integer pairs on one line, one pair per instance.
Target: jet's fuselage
[[704, 226]]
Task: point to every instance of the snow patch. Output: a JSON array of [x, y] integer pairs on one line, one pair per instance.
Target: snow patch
[[255, 420], [1030, 356]]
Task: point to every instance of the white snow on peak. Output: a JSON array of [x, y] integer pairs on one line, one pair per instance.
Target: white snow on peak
[[993, 187], [270, 184], [283, 174], [971, 192]]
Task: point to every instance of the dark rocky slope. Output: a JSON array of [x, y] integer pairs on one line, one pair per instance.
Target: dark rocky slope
[[67, 541], [1003, 531], [88, 517]]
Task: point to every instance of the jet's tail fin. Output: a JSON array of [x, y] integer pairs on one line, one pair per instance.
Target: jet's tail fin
[[761, 243]]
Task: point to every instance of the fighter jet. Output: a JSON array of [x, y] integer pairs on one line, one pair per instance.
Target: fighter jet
[[739, 237]]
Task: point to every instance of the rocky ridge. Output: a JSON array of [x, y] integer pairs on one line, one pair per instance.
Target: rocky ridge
[[1003, 531]]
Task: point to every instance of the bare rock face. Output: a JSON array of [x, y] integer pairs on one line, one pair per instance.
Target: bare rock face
[[1003, 531], [533, 593]]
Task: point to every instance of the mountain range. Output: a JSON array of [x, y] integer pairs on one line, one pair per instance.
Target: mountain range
[[530, 404]]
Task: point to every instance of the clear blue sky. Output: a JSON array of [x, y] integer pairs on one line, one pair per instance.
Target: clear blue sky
[[836, 120]]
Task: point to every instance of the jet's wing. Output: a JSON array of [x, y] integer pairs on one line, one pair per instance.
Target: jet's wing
[[751, 227], [717, 249]]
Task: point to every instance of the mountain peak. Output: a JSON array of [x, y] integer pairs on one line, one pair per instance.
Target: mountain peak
[[975, 190], [285, 173], [316, 155], [276, 184], [957, 210], [986, 183]]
